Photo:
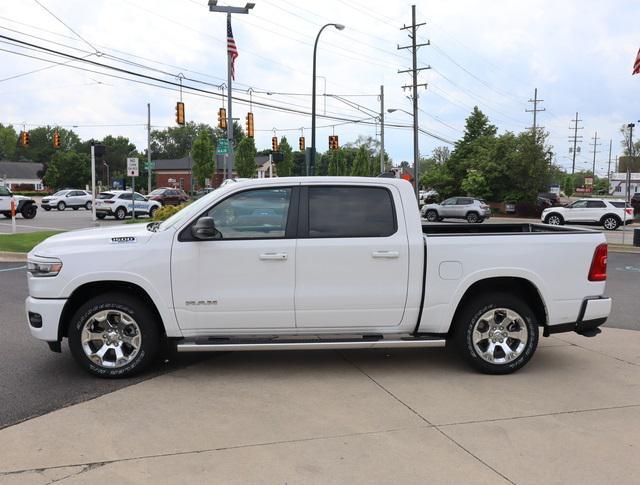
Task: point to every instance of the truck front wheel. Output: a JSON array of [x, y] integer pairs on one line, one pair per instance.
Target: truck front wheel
[[114, 335], [496, 333]]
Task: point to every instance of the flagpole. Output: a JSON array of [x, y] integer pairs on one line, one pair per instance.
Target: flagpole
[[230, 158], [214, 7]]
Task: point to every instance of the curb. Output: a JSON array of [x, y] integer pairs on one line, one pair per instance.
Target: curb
[[9, 257], [619, 248]]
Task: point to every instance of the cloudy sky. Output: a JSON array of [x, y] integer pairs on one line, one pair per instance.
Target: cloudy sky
[[579, 54]]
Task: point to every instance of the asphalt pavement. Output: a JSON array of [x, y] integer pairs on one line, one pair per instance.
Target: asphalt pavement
[[35, 381]]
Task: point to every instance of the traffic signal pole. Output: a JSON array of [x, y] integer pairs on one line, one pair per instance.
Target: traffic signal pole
[[148, 148], [230, 156]]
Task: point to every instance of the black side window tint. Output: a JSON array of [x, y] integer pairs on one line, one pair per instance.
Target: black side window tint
[[350, 212], [596, 203]]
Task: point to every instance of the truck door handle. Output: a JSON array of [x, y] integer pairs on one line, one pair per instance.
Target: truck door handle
[[385, 254], [273, 256]]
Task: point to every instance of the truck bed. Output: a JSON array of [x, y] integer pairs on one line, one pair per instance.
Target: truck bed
[[457, 229]]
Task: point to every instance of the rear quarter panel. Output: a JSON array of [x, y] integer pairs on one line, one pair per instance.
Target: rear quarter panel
[[556, 264]]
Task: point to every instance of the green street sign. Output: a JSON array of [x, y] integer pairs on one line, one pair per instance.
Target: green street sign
[[149, 165], [223, 147]]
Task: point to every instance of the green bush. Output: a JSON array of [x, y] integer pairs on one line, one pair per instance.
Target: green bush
[[167, 211]]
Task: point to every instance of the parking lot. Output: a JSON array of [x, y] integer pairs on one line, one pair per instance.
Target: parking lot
[[323, 416]]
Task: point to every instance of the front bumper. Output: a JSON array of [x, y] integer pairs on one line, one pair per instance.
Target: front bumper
[[47, 325], [593, 313]]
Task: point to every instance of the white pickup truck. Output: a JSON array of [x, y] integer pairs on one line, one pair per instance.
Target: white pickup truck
[[313, 263]]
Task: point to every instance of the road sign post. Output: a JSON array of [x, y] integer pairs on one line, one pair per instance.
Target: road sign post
[[132, 171]]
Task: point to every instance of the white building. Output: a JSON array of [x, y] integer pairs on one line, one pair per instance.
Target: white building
[[618, 184], [21, 175]]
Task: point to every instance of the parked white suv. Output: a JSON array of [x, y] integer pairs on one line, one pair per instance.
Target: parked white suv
[[608, 213], [473, 210], [119, 204], [67, 198]]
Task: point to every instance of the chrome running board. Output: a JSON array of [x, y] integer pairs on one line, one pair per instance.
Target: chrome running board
[[235, 345]]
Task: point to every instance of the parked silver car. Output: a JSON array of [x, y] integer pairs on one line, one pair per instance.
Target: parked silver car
[[67, 198], [473, 210]]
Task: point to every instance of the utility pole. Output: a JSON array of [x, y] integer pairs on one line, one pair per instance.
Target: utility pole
[[535, 111], [575, 138], [231, 54], [631, 126], [414, 86], [595, 150], [609, 167], [148, 148], [382, 129]]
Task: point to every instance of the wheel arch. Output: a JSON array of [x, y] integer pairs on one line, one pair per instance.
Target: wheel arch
[[94, 288], [546, 218], [611, 214], [519, 286]]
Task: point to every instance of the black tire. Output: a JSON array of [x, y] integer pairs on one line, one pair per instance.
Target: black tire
[[135, 309], [47, 208], [88, 206], [469, 318], [610, 223], [554, 219], [61, 206], [432, 215], [75, 208], [100, 216], [7, 215], [152, 211], [473, 217], [29, 211], [120, 213]]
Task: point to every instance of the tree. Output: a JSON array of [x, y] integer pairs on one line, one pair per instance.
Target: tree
[[40, 147], [361, 163], [245, 162], [285, 167], [474, 184], [441, 154], [8, 142], [68, 169], [202, 153]]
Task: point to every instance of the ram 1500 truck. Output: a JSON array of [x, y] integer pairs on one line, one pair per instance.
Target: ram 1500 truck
[[313, 263]]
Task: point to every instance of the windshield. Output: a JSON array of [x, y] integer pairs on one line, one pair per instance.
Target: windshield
[[60, 193], [157, 192], [105, 195]]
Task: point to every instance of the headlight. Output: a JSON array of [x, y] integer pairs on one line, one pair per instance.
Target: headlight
[[39, 267]]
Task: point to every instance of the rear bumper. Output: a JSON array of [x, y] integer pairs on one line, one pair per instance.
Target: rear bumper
[[593, 313], [43, 317]]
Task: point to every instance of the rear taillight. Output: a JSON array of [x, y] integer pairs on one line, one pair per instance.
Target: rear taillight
[[629, 211], [598, 270]]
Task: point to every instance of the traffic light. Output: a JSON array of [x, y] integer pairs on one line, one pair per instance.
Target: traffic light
[[275, 146], [301, 143], [180, 113], [333, 142], [222, 118], [250, 125], [24, 138], [56, 140]]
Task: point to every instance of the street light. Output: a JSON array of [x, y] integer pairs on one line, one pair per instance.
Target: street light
[[415, 155], [312, 159]]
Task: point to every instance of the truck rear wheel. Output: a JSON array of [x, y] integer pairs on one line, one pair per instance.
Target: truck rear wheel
[[114, 335], [496, 333]]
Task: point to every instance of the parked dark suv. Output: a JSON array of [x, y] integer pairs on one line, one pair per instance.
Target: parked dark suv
[[551, 196], [168, 196]]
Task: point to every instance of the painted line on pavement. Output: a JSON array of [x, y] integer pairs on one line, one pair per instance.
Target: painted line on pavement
[[13, 269], [33, 227]]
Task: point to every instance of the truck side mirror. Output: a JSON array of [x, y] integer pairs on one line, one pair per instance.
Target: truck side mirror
[[204, 229]]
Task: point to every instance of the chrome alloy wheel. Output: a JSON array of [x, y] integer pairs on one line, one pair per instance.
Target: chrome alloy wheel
[[499, 336], [610, 224], [111, 338], [554, 220]]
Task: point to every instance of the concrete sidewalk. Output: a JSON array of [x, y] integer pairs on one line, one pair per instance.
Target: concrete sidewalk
[[416, 416]]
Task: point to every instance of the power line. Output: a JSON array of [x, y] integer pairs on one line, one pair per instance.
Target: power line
[[68, 27]]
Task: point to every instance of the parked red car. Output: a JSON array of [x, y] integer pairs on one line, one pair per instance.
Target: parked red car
[[168, 196]]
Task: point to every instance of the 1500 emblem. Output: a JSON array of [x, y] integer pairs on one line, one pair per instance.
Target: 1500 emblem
[[200, 302]]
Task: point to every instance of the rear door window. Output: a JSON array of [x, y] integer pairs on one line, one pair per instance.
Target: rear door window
[[464, 201], [105, 195], [595, 204], [619, 205], [351, 212]]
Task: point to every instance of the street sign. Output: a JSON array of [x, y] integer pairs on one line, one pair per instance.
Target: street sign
[[149, 165], [223, 147], [132, 167]]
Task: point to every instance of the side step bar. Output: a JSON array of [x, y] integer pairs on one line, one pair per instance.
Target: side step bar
[[218, 346]]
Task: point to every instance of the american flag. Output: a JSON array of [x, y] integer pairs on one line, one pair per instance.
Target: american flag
[[232, 50], [636, 65]]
